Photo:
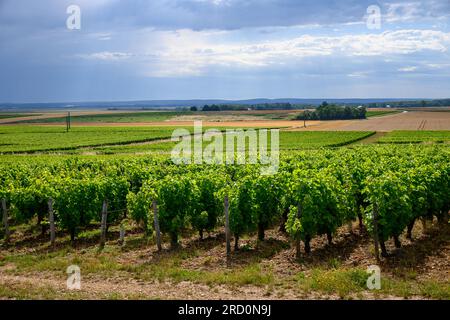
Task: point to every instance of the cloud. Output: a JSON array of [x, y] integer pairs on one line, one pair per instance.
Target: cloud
[[438, 65], [194, 53], [359, 74], [213, 14], [102, 36], [222, 48], [409, 11], [106, 56], [408, 69]]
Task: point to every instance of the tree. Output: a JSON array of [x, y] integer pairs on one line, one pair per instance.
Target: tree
[[423, 103], [333, 112]]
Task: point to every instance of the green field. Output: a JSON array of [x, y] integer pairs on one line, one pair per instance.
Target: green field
[[416, 137], [40, 138], [372, 113], [139, 139], [289, 140], [6, 115], [293, 140], [23, 138]]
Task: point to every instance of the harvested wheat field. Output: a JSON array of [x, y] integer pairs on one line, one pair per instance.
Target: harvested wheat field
[[408, 120]]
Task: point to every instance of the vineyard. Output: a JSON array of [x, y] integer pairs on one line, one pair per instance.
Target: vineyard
[[41, 138], [289, 140], [416, 137], [29, 139], [220, 155], [314, 193]]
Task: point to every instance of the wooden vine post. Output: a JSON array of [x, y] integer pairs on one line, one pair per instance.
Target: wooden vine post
[[375, 231], [104, 221], [227, 225], [51, 219], [5, 220], [297, 240], [122, 235], [156, 222], [68, 126]]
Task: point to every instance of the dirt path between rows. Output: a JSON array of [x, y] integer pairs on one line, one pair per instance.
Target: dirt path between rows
[[427, 255], [371, 139], [95, 287]]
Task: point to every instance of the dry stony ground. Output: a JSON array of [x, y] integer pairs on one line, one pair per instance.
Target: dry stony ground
[[200, 270]]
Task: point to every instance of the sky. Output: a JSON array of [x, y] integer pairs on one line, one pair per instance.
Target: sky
[[223, 49]]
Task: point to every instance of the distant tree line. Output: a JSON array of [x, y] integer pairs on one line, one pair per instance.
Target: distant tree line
[[241, 107], [352, 111], [333, 112], [411, 104], [274, 106], [224, 107]]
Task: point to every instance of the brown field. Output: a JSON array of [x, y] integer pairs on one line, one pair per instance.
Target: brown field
[[411, 120], [445, 109]]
